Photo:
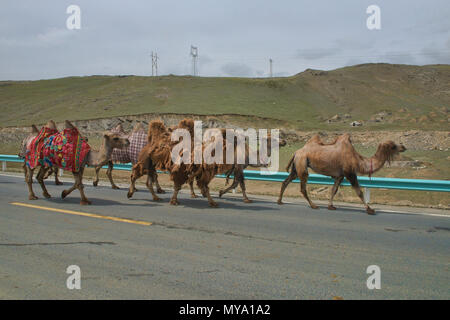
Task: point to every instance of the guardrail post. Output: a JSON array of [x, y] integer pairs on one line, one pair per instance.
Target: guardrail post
[[3, 165], [60, 172], [367, 195]]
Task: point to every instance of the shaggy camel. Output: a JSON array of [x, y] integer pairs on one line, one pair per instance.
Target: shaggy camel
[[23, 149], [158, 153], [238, 170], [138, 140], [338, 159], [67, 150]]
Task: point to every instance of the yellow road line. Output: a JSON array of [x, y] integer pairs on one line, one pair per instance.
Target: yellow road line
[[84, 214]]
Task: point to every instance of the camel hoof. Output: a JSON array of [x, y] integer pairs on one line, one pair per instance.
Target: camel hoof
[[313, 206], [193, 195], [85, 202], [129, 194], [46, 195], [280, 202], [160, 191], [370, 211], [174, 202], [63, 194], [95, 183], [248, 201], [115, 187], [330, 207], [157, 199], [213, 204], [59, 183], [32, 197]]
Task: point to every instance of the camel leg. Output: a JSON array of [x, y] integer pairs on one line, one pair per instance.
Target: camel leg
[[96, 178], [79, 183], [285, 183], [149, 184], [176, 189], [29, 176], [232, 186], [57, 182], [191, 186], [40, 178], [211, 202], [353, 179], [337, 182], [303, 181], [66, 192], [135, 174], [109, 174], [158, 187]]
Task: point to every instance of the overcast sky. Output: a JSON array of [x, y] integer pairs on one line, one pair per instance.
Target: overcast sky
[[234, 37]]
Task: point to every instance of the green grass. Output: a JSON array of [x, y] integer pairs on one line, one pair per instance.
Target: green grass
[[303, 101]]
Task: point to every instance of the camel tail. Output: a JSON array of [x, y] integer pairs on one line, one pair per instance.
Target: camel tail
[[290, 163]]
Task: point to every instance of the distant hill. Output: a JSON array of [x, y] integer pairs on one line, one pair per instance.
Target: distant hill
[[379, 95]]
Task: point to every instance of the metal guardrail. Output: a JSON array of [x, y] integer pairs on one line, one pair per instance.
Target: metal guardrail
[[366, 182]]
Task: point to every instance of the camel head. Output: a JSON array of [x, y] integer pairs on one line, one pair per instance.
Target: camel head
[[118, 129], [115, 140], [389, 149], [27, 140]]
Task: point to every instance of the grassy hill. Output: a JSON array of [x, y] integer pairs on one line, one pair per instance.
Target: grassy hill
[[410, 96]]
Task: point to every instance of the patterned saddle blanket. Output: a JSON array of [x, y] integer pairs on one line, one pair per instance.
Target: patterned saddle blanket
[[138, 140], [66, 150], [33, 154]]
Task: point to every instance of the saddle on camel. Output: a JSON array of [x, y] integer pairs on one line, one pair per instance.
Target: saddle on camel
[[138, 140], [67, 150], [23, 150]]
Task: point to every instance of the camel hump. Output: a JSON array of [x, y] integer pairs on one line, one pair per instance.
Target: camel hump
[[345, 138], [118, 129], [51, 124], [315, 139], [34, 129], [68, 125], [154, 127], [138, 127], [188, 124]]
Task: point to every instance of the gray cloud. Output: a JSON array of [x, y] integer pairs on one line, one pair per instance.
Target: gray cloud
[[237, 70], [235, 38]]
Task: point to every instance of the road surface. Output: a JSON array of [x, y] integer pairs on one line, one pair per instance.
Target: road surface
[[141, 249]]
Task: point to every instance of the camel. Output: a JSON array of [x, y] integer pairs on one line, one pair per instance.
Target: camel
[[23, 149], [157, 133], [238, 169], [157, 153], [50, 150], [338, 159], [138, 140]]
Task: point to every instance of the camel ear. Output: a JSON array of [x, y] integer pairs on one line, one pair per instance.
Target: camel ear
[[68, 124], [34, 129]]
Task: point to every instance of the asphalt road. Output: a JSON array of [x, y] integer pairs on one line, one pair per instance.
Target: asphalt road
[[237, 251]]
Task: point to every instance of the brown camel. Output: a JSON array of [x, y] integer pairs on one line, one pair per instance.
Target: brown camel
[[158, 142], [158, 153], [91, 158], [138, 139], [338, 159], [23, 149], [238, 170]]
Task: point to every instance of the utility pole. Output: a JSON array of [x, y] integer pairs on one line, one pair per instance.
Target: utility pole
[[154, 64], [194, 54], [270, 62]]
